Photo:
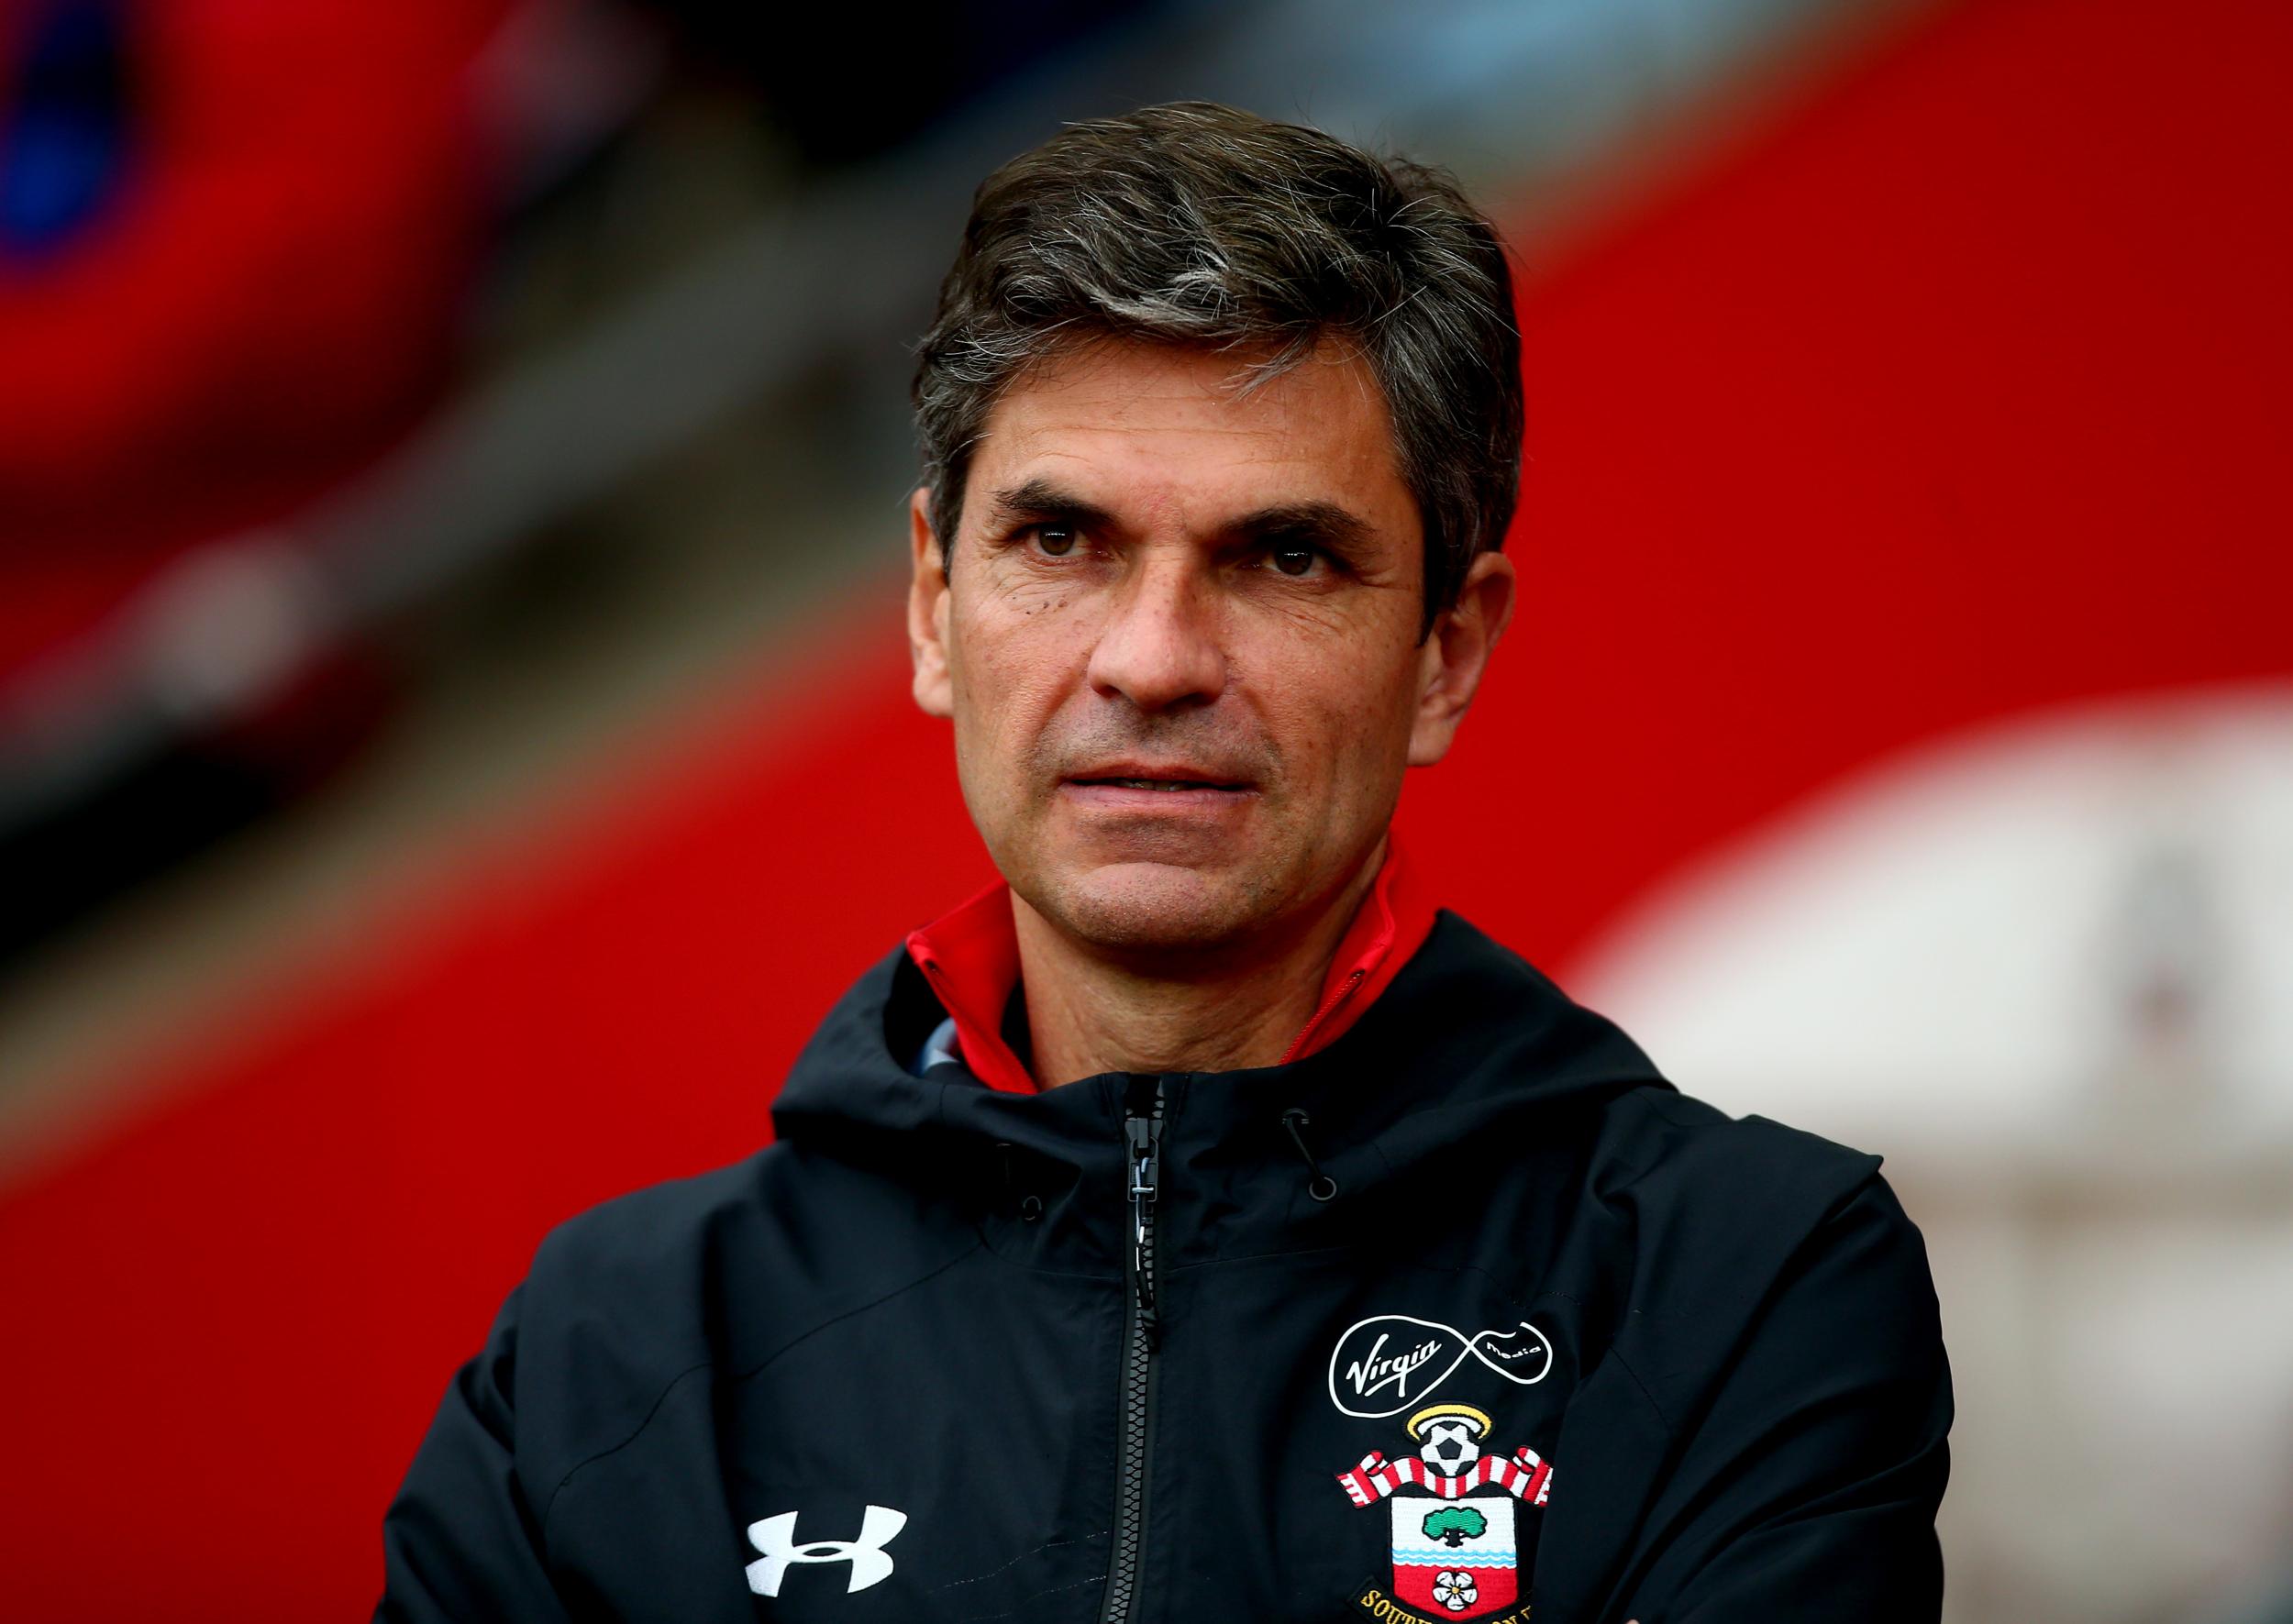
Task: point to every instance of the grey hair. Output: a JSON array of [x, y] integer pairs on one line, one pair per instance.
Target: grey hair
[[1192, 223]]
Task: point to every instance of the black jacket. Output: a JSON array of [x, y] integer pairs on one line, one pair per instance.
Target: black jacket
[[916, 1360]]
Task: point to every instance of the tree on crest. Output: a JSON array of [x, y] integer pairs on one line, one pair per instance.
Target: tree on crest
[[1453, 1525]]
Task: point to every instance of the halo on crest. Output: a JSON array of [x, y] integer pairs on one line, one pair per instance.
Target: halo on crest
[[1445, 1412]]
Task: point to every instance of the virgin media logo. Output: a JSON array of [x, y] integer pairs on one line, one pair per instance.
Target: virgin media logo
[[1384, 1364]]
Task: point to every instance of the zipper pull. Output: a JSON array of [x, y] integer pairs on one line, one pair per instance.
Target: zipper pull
[[1141, 1138]]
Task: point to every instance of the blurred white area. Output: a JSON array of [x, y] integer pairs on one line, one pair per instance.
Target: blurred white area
[[2046, 968]]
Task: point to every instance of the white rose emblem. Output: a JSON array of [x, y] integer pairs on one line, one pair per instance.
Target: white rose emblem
[[1455, 1590]]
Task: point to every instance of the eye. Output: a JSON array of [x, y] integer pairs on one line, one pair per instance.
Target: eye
[[1057, 540], [1292, 558]]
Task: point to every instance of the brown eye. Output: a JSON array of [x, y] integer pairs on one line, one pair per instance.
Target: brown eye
[[1293, 560], [1057, 540]]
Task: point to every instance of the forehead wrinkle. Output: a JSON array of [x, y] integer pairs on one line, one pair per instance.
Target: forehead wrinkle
[[1110, 448], [1111, 425]]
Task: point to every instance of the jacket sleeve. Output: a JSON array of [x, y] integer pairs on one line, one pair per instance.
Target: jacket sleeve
[[462, 1541], [1808, 1488]]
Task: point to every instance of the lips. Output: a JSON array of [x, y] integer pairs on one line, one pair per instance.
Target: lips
[[1159, 777], [1162, 795], [1168, 785]]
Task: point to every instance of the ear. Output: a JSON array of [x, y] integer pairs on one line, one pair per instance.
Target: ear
[[1456, 655], [927, 610]]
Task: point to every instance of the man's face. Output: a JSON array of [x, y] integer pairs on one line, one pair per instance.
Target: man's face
[[1178, 638]]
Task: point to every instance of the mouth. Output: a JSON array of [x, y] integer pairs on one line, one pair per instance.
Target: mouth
[[1143, 787], [1160, 786], [1157, 778]]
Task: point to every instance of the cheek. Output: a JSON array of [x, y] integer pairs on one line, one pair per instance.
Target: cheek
[[1011, 668], [1343, 716]]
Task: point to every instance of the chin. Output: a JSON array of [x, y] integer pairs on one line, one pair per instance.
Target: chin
[[1150, 908]]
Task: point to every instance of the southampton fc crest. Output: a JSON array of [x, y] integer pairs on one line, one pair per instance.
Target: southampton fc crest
[[1456, 1554]]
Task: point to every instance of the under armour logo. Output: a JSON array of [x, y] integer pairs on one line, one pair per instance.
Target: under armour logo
[[776, 1537]]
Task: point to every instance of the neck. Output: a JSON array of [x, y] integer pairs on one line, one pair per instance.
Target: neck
[[1090, 1012]]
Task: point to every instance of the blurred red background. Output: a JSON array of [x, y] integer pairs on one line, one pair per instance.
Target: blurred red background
[[1929, 403]]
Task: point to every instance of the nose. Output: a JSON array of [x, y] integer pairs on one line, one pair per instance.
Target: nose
[[1159, 647]]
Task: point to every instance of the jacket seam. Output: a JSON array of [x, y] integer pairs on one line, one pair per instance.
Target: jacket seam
[[1339, 1249], [756, 1370], [796, 1342], [1525, 1305], [581, 1466], [1626, 1365]]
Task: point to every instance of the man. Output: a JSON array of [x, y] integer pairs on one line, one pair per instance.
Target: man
[[1199, 1226]]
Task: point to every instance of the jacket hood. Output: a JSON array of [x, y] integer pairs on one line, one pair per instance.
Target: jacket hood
[[1467, 1045]]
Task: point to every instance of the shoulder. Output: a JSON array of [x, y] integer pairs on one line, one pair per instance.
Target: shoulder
[[1667, 1148], [1746, 1192], [712, 1274], [630, 1246], [620, 1298], [1473, 1009], [1749, 1234], [652, 1267], [626, 1299], [1679, 1177]]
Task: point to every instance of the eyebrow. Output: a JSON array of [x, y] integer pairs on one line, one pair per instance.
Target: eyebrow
[[1323, 522], [1040, 498]]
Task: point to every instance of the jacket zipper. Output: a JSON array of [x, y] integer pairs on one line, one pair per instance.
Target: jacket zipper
[[1142, 1144]]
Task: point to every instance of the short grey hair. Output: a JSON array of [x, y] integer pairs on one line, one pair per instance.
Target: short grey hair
[[1192, 223]]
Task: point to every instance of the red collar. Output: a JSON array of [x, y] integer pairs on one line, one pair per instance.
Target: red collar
[[971, 958]]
